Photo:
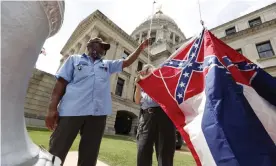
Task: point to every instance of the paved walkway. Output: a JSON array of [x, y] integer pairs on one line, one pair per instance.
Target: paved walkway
[[72, 159]]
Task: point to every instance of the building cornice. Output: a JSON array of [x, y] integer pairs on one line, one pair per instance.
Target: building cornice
[[82, 27], [125, 102], [244, 16], [249, 31], [270, 68]]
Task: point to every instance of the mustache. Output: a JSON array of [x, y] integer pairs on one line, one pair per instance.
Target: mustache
[[98, 54]]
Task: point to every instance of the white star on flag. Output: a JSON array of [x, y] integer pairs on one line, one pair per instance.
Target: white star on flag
[[196, 45], [170, 62], [190, 64], [179, 95], [193, 55], [186, 74], [182, 84], [200, 67], [181, 64]]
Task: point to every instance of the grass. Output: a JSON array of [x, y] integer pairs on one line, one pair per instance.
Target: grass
[[115, 150]]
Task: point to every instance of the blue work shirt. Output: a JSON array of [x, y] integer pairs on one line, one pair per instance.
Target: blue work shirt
[[146, 101], [88, 89]]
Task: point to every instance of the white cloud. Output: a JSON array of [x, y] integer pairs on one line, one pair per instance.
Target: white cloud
[[128, 14]]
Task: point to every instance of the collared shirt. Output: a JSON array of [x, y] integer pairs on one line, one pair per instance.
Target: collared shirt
[[147, 102], [88, 89]]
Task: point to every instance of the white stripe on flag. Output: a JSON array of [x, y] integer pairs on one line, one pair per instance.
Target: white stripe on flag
[[193, 111]]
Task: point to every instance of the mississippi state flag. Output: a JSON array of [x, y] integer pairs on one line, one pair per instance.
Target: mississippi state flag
[[223, 105]]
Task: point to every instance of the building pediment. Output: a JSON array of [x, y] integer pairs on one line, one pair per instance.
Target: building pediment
[[88, 22]]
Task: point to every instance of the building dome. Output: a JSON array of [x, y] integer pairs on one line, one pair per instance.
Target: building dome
[[159, 16], [160, 23]]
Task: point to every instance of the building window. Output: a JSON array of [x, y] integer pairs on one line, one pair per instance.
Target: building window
[[265, 49], [119, 87], [152, 40], [153, 34], [176, 39], [171, 36], [230, 31], [255, 22], [239, 50], [140, 66], [125, 55], [144, 35]]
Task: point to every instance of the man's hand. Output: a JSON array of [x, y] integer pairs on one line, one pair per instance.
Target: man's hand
[[145, 44], [51, 119], [131, 58], [52, 114], [137, 79]]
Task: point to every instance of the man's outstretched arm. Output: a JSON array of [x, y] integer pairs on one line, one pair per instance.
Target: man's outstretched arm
[[132, 57]]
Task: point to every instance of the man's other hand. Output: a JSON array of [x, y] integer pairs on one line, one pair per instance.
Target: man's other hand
[[51, 119]]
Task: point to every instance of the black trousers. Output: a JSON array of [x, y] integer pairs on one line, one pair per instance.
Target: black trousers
[[155, 127], [91, 130]]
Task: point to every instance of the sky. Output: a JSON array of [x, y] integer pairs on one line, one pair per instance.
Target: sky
[[128, 14]]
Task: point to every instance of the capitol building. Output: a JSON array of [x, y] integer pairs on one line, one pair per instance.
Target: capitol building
[[253, 35]]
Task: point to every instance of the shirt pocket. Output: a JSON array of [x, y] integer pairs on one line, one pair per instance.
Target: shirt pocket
[[81, 71], [102, 72]]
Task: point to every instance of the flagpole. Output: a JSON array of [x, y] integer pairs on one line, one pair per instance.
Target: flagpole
[[200, 16], [152, 13]]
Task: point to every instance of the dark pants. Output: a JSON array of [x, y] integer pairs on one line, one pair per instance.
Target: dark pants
[[91, 130], [155, 127]]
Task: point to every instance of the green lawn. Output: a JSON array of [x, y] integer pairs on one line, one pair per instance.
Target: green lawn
[[115, 150]]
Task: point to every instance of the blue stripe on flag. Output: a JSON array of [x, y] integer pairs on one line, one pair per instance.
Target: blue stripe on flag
[[233, 132], [265, 85]]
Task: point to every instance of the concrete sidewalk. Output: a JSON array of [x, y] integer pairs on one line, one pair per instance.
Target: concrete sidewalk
[[72, 159]]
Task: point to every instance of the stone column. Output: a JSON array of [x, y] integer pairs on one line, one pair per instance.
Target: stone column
[[140, 37], [83, 44], [72, 51], [95, 33], [41, 20], [110, 123], [113, 77], [160, 35], [130, 88], [78, 48], [112, 51], [134, 126], [173, 38]]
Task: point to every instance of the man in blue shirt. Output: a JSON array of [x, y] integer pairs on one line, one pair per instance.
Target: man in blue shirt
[[155, 127], [81, 100]]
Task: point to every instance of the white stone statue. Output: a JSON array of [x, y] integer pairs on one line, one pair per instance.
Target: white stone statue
[[25, 25]]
